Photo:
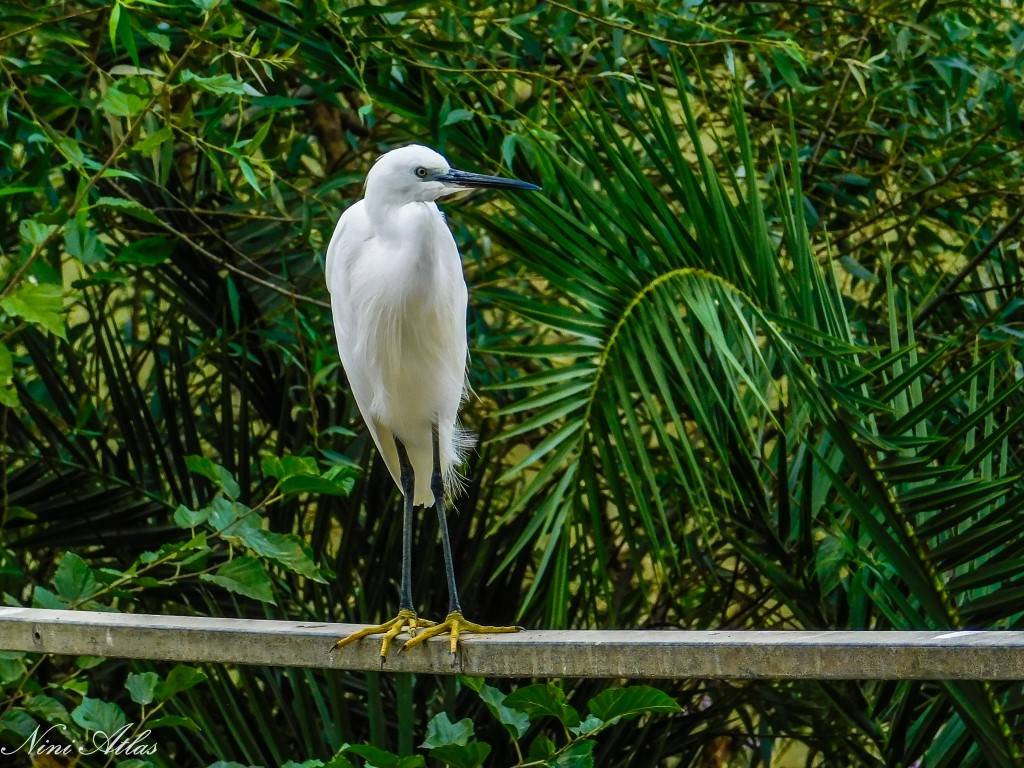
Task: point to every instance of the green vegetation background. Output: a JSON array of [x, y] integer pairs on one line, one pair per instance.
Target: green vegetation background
[[752, 359]]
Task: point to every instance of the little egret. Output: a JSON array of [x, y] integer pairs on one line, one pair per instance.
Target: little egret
[[399, 303]]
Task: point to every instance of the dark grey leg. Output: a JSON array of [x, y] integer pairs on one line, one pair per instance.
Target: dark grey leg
[[408, 480], [437, 487]]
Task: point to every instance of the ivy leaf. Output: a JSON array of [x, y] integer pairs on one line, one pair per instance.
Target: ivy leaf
[[190, 518], [591, 725], [142, 686], [96, 715], [82, 243], [516, 722], [47, 708], [238, 524], [74, 579], [301, 474], [543, 699], [201, 465], [541, 749], [441, 732], [41, 303], [580, 755], [44, 598], [179, 679], [11, 667], [244, 576], [287, 549], [617, 703]]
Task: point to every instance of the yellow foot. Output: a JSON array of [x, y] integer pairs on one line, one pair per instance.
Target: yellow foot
[[390, 630], [454, 624]]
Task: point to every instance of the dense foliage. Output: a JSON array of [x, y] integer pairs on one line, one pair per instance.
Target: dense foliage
[[752, 359]]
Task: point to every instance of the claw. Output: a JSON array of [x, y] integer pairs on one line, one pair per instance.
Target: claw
[[455, 625], [405, 619]]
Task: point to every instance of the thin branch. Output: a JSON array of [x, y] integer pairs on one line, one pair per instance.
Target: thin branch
[[950, 290]]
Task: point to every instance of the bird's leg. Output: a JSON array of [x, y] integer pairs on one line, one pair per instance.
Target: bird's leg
[[454, 623], [406, 613]]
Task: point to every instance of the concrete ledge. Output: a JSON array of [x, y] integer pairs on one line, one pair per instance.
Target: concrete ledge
[[635, 654]]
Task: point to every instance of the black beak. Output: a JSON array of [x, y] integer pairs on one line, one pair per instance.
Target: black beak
[[473, 180]]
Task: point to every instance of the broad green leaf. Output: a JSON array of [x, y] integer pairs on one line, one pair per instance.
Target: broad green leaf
[[44, 598], [152, 141], [126, 97], [579, 755], [244, 575], [83, 243], [142, 686], [41, 303], [190, 518], [543, 699], [96, 715], [615, 703], [589, 725], [18, 724], [517, 723], [47, 708], [180, 678], [441, 731], [224, 480], [74, 579], [11, 670]]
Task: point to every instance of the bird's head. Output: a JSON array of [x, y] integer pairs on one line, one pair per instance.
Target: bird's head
[[419, 174]]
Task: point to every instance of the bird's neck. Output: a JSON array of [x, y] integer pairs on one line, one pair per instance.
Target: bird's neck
[[393, 220]]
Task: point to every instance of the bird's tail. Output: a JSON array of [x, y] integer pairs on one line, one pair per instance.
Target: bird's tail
[[454, 447]]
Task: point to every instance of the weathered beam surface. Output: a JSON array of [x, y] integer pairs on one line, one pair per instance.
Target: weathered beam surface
[[654, 654]]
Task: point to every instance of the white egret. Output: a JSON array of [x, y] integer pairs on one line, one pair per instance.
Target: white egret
[[399, 302]]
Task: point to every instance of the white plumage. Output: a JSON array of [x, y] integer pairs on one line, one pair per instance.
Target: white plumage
[[399, 303]]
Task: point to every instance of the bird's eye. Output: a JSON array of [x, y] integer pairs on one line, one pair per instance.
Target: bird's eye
[[421, 172]]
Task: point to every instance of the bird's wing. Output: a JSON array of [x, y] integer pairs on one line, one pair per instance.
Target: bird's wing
[[347, 245]]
